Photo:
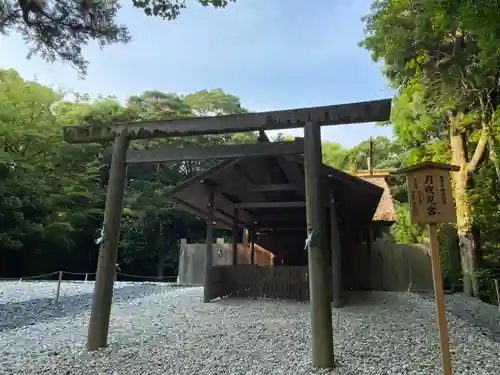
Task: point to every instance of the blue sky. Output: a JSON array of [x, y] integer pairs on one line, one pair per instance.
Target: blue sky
[[273, 54]]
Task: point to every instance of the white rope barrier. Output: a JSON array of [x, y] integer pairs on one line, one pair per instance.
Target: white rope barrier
[[146, 277], [86, 274], [28, 277]]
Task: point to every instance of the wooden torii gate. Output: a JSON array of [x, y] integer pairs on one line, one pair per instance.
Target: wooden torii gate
[[311, 119]]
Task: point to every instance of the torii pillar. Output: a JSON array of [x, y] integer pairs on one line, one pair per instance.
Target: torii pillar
[[320, 298], [108, 253]]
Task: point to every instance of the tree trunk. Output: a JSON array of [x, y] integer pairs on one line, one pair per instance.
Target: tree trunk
[[464, 212], [465, 237], [494, 159]]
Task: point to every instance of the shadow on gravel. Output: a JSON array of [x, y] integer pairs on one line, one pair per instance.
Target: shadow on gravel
[[41, 310], [363, 298], [487, 324], [350, 298]]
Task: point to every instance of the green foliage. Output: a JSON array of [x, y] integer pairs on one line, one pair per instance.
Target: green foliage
[[52, 194], [58, 30], [443, 58], [49, 191], [213, 103], [485, 200], [403, 230], [171, 9], [450, 252], [386, 155]]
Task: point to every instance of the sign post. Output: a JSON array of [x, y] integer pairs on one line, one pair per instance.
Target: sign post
[[431, 202]]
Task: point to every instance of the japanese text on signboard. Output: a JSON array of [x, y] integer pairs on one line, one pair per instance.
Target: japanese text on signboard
[[430, 194]]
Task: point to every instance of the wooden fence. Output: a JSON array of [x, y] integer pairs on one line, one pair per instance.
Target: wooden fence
[[387, 266], [255, 281], [399, 267], [192, 258]]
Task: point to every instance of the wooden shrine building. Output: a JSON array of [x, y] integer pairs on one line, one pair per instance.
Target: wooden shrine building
[[266, 196], [274, 201]]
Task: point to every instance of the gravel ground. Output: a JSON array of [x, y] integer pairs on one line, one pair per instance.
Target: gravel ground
[[159, 329]]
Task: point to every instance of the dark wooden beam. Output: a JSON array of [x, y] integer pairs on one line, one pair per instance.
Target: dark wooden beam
[[235, 238], [276, 187], [281, 229], [279, 216], [226, 206], [207, 289], [246, 186], [269, 204], [252, 246], [352, 113], [280, 225], [195, 211], [292, 172], [232, 217], [258, 188], [223, 206], [167, 154], [336, 251]]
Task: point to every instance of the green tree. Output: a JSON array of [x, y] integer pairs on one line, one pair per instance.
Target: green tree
[[52, 193], [386, 154], [213, 103], [404, 231], [152, 226], [60, 29], [158, 105], [49, 192], [335, 155], [443, 58]]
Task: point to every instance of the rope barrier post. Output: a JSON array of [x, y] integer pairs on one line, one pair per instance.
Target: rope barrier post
[[86, 276], [117, 271], [59, 280], [497, 289]]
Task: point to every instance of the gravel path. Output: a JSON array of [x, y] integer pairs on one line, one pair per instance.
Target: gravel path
[[159, 329]]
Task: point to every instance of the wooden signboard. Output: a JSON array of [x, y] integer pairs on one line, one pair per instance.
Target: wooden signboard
[[431, 196], [431, 202]]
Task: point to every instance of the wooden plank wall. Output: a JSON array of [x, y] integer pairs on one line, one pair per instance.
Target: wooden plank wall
[[388, 267], [391, 267], [245, 280], [399, 267], [192, 258]]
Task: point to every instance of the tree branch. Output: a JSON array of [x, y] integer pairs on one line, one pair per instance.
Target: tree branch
[[457, 142], [479, 151]]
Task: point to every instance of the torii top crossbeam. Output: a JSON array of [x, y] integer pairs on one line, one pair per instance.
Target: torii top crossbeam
[[351, 113]]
